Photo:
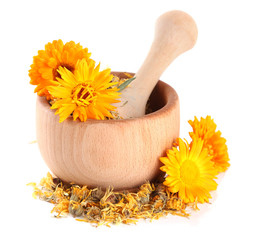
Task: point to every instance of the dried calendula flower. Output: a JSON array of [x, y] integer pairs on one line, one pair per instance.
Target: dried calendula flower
[[105, 207]]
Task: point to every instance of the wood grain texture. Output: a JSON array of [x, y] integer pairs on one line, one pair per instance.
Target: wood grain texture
[[118, 153], [175, 33]]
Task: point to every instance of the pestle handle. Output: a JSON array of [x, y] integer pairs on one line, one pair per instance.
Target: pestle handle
[[175, 33]]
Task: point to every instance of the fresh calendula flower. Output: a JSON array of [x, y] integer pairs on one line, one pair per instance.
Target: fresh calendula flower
[[86, 93], [190, 171], [45, 65], [216, 145]]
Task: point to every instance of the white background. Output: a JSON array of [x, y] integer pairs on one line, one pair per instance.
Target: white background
[[215, 78]]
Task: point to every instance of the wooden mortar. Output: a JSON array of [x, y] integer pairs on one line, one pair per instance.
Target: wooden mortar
[[119, 153]]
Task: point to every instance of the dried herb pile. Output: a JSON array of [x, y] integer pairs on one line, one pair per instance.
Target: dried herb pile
[[99, 207]]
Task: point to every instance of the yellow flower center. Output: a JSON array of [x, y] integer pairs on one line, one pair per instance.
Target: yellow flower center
[[189, 172], [83, 94]]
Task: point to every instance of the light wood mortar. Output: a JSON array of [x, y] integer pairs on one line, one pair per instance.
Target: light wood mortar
[[119, 153]]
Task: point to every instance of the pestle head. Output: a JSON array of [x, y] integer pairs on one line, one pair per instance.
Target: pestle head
[[177, 28]]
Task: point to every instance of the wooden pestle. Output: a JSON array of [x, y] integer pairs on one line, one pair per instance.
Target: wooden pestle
[[175, 33]]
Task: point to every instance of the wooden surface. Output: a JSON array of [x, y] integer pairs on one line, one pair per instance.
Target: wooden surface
[[119, 153], [175, 33]]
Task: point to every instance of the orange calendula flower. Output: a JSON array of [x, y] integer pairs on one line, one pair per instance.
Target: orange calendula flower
[[44, 68], [190, 171], [85, 93], [216, 145]]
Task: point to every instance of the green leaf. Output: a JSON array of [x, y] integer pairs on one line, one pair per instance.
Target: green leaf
[[125, 84]]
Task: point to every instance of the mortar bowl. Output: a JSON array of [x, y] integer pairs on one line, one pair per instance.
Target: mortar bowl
[[122, 153]]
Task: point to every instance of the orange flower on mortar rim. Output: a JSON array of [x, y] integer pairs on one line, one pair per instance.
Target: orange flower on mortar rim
[[86, 94], [44, 69]]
